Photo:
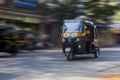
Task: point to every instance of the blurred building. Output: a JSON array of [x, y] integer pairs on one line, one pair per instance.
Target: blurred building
[[23, 14], [106, 38], [53, 29], [115, 29], [30, 15]]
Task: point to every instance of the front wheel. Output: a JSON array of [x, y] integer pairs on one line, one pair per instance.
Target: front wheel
[[70, 56]]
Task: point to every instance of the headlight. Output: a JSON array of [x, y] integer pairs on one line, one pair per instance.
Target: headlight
[[63, 40], [77, 39]]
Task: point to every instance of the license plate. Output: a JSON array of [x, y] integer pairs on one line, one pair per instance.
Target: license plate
[[67, 49]]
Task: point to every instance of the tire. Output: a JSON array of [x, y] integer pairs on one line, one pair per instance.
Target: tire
[[97, 53], [70, 56]]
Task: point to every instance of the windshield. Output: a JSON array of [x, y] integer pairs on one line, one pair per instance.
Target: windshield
[[72, 27]]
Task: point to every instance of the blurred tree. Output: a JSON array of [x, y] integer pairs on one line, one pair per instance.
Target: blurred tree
[[117, 16], [101, 10], [66, 9]]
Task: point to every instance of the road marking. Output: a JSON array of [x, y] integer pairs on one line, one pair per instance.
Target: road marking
[[111, 77], [108, 68], [110, 49]]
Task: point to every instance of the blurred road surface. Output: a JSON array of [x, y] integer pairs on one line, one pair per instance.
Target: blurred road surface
[[52, 65]]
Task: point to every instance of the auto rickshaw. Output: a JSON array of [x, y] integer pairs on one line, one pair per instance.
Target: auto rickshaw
[[8, 40], [27, 43], [79, 37]]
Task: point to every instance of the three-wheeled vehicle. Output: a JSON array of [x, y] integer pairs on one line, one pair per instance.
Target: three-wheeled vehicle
[[79, 37], [27, 43], [8, 41]]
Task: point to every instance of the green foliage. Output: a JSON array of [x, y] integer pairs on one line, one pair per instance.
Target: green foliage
[[117, 16], [97, 9], [101, 10], [67, 9]]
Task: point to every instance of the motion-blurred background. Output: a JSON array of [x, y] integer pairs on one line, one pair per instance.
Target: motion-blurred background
[[44, 17]]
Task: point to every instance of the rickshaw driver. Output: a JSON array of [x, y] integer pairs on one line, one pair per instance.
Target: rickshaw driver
[[89, 39]]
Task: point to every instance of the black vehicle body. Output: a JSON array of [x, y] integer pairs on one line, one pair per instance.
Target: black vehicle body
[[25, 42], [8, 41], [79, 37]]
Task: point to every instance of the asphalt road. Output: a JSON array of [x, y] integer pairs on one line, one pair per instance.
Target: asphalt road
[[52, 65]]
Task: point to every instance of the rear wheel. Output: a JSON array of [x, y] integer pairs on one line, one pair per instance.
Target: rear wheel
[[97, 53]]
